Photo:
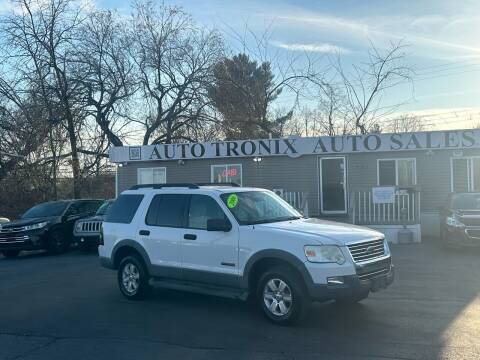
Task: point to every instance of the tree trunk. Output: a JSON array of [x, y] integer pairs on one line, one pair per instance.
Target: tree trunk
[[72, 136]]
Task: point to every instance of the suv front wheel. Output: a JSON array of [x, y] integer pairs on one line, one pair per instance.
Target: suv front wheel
[[282, 296], [58, 242], [133, 278]]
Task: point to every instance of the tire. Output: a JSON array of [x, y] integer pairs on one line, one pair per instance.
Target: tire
[[133, 278], [58, 243], [10, 254], [351, 300], [282, 295]]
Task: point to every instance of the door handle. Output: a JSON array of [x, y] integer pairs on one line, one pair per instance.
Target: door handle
[[144, 232], [190, 237]]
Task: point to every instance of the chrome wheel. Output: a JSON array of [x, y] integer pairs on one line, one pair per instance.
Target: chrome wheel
[[277, 297], [130, 278]]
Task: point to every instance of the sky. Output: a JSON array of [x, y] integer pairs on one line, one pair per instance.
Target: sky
[[443, 38]]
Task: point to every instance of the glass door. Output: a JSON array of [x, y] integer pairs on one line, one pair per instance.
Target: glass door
[[333, 185]]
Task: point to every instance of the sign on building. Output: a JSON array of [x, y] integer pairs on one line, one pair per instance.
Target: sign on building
[[383, 195], [297, 146]]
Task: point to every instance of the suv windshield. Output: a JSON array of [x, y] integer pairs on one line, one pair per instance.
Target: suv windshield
[[55, 208], [102, 210], [258, 207], [466, 201]]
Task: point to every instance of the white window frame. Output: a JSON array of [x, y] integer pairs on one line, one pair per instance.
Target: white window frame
[[151, 168], [471, 173], [212, 167], [396, 170], [320, 193]]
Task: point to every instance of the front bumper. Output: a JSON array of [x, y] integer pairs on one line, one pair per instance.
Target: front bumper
[[376, 277], [463, 237], [87, 239], [29, 240]]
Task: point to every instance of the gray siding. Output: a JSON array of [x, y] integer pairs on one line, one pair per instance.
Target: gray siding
[[433, 173], [271, 173], [301, 174]]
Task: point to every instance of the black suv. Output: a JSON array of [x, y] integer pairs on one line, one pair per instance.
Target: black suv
[[86, 231], [45, 226], [460, 220]]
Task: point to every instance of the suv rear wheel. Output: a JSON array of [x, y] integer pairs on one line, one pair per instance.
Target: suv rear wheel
[[133, 278], [282, 296]]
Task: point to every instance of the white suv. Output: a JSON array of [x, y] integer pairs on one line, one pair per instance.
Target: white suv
[[242, 243]]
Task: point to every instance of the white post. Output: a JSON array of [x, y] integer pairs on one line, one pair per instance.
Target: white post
[[370, 207], [116, 181], [408, 207]]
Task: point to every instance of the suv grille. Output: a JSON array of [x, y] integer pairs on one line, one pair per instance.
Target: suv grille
[[473, 233], [367, 250], [374, 269], [91, 226], [13, 234], [8, 230]]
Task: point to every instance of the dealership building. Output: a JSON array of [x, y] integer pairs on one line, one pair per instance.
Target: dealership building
[[393, 182]]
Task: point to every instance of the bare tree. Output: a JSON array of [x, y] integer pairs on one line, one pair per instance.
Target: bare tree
[[174, 60], [328, 118], [365, 85], [405, 123], [22, 133], [106, 72], [41, 37]]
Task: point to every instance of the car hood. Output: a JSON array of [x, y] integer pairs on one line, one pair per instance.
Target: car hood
[[93, 218], [25, 222], [329, 232], [466, 212], [468, 217]]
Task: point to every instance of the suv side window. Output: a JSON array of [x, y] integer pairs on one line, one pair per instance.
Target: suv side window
[[81, 207], [92, 206], [123, 209], [167, 210], [203, 208], [74, 209]]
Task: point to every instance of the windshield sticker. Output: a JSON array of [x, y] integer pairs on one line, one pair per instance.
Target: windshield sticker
[[232, 201]]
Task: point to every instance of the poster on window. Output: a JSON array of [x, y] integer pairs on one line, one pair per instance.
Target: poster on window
[[227, 174], [383, 195]]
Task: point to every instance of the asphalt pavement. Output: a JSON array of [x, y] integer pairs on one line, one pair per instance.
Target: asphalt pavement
[[68, 307]]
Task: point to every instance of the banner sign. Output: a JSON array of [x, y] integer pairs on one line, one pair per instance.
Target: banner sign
[[298, 146], [383, 195]]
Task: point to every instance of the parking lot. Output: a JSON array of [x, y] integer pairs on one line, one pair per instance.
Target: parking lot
[[68, 307]]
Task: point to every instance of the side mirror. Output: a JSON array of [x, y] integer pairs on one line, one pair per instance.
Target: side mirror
[[219, 225]]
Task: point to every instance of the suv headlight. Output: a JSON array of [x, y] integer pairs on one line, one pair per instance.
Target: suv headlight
[[36, 226], [386, 248], [453, 222], [324, 254], [78, 226]]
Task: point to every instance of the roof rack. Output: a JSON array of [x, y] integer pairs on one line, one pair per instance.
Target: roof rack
[[161, 186], [230, 184], [185, 185]]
